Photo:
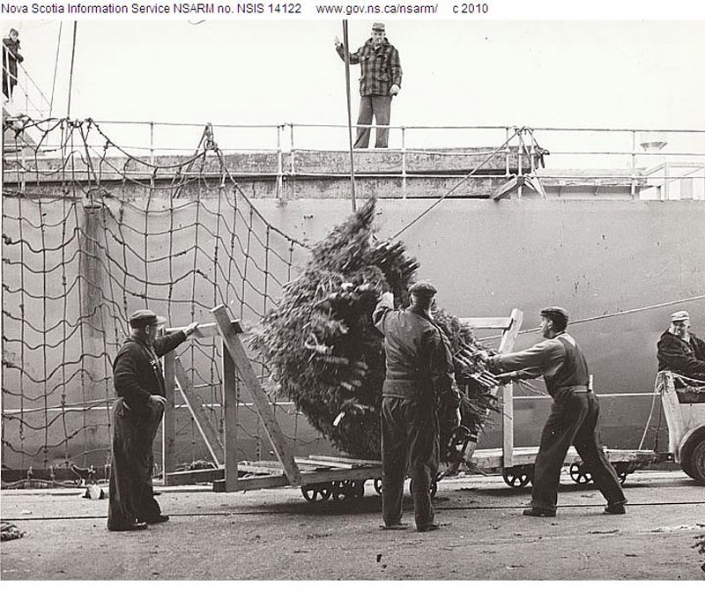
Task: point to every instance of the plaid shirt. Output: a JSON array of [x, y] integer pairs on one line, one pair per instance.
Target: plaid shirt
[[379, 69]]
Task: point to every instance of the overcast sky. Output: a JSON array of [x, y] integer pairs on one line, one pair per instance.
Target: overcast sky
[[537, 73]]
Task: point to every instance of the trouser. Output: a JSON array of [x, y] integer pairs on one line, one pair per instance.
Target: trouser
[[380, 107], [131, 496], [573, 420], [409, 444]]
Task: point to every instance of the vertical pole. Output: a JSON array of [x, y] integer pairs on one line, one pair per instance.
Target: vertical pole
[[633, 174], [73, 57], [151, 142], [169, 422], [403, 161], [508, 425], [347, 93], [229, 418], [280, 164]]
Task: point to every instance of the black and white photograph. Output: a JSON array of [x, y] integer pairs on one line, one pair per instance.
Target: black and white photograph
[[314, 293]]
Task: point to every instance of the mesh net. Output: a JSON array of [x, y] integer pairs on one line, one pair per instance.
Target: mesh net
[[92, 233]]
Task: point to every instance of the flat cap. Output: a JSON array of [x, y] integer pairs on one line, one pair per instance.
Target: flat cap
[[143, 317], [423, 288], [378, 27], [552, 311], [680, 315]]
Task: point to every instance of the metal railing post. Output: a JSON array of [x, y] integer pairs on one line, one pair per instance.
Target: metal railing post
[[280, 164], [403, 162], [633, 168]]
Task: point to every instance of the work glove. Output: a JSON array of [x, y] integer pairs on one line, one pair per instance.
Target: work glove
[[394, 90]]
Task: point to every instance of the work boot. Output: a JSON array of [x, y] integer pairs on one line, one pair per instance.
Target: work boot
[[616, 508], [428, 527]]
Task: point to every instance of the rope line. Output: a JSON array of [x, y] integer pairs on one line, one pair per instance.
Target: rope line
[[81, 254]]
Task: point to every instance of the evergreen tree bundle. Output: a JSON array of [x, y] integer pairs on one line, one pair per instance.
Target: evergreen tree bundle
[[326, 356]]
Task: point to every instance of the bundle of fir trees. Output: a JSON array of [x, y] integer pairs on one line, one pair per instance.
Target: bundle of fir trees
[[325, 354]]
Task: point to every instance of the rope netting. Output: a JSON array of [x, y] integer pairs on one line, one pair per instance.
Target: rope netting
[[92, 233]]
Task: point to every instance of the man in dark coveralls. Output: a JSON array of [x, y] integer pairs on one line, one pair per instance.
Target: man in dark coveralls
[[419, 382], [139, 383], [681, 351], [573, 417]]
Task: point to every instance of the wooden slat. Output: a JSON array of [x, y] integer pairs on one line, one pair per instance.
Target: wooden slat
[[169, 421], [486, 322], [672, 412], [194, 402], [510, 336], [259, 397], [196, 476], [254, 483], [229, 419], [346, 460]]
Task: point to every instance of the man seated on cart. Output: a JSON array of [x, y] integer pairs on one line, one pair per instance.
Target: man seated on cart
[[683, 353]]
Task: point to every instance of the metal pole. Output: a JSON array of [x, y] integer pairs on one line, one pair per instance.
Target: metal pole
[[347, 90], [73, 57]]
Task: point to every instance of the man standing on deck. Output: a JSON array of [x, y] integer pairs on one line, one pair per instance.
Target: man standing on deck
[[380, 81]]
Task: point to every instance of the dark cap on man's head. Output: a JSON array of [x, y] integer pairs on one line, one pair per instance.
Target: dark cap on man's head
[[378, 27], [681, 315], [143, 317], [423, 288], [555, 312]]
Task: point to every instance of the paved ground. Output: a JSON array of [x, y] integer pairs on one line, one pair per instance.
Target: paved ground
[[277, 535]]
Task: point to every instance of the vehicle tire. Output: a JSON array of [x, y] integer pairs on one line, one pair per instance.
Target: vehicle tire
[[697, 462], [687, 461]]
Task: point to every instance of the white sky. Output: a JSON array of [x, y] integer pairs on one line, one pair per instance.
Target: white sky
[[640, 74]]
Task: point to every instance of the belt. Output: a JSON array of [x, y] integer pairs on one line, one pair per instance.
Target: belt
[[577, 388]]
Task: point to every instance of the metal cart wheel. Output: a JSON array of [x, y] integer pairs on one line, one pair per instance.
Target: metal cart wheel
[[623, 469], [697, 462], [579, 474], [516, 477], [340, 489], [316, 493], [358, 488]]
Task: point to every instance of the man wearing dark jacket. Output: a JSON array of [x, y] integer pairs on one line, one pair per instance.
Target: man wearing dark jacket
[[380, 80], [10, 57], [680, 351], [419, 381], [573, 417], [139, 383]]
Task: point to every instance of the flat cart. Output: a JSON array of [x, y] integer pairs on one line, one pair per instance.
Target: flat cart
[[319, 477]]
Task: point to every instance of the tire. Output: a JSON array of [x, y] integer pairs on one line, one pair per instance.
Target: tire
[[687, 461], [697, 462]]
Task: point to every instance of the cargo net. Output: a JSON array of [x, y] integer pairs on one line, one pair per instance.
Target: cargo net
[[92, 233]]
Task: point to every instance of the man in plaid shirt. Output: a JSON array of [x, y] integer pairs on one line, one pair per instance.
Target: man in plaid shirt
[[380, 80]]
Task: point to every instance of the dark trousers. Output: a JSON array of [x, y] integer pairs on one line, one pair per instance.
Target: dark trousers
[[409, 444], [131, 496], [573, 420], [380, 107]]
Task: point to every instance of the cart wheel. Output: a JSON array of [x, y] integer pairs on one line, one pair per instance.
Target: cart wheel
[[316, 493], [358, 488], [434, 488], [697, 462], [338, 490], [623, 469], [579, 474], [516, 477], [378, 485]]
